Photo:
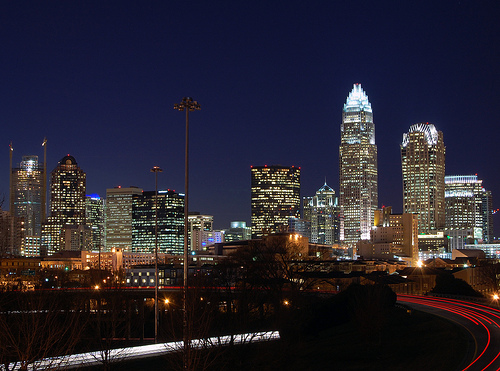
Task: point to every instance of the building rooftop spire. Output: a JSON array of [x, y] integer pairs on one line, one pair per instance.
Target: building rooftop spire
[[357, 100]]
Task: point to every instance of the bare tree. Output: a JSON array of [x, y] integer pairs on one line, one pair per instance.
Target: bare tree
[[489, 275], [35, 326]]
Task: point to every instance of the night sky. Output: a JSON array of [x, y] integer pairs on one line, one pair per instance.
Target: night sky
[[99, 79]]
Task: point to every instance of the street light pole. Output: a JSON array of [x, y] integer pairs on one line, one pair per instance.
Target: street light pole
[[187, 104], [156, 170]]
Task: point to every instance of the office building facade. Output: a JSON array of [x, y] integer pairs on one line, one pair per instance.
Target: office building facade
[[94, 208], [170, 207], [323, 212], [119, 217], [463, 200], [238, 231], [26, 197], [275, 198], [487, 213], [358, 195], [200, 231], [423, 167], [67, 204]]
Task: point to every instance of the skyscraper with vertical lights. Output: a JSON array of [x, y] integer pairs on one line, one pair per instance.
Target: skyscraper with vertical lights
[[67, 209], [275, 198], [423, 166], [170, 222], [94, 208], [26, 202], [487, 213], [358, 196]]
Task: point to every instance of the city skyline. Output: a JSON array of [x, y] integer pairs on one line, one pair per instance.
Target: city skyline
[[99, 81]]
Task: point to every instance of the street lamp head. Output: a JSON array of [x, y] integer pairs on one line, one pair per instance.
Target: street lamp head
[[156, 169], [187, 103]]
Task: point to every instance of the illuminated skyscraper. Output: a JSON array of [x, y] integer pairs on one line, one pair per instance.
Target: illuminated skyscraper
[[423, 164], [358, 168], [67, 206], [170, 222], [487, 213], [119, 217], [275, 198], [26, 202], [94, 206], [200, 231], [463, 195], [323, 212]]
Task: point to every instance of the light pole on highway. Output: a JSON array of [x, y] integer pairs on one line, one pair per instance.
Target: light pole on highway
[[156, 170], [187, 104]]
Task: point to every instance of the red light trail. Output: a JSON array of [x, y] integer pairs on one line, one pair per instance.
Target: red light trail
[[482, 321]]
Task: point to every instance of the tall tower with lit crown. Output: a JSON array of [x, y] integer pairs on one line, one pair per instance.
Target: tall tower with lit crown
[[67, 219], [358, 168], [422, 162], [322, 211]]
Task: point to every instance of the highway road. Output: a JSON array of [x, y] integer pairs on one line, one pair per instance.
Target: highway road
[[483, 323]]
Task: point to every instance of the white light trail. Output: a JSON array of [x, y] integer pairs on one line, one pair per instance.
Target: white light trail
[[144, 351]]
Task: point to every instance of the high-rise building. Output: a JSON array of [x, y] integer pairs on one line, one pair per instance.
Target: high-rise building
[[170, 206], [463, 197], [487, 212], [119, 217], [67, 205], [26, 202], [358, 168], [323, 212], [275, 198], [94, 206], [423, 166], [200, 231]]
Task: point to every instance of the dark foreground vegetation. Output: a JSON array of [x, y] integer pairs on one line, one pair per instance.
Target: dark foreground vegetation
[[359, 329]]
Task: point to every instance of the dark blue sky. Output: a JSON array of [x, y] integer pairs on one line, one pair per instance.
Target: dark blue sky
[[99, 80]]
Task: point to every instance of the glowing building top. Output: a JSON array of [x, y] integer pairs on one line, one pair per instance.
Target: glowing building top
[[357, 100], [429, 130]]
